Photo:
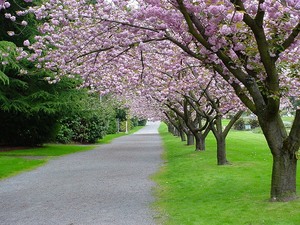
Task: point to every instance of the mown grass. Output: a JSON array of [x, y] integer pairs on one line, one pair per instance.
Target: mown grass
[[11, 166], [48, 150], [192, 189], [288, 118], [16, 161]]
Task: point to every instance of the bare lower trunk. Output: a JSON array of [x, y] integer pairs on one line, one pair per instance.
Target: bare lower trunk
[[221, 150], [200, 142], [190, 139], [176, 132], [170, 128], [221, 135], [182, 135], [283, 148], [283, 187]]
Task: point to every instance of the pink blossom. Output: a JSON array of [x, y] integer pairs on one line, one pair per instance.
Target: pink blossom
[[11, 33], [13, 18], [24, 23], [26, 43], [225, 30], [4, 4]]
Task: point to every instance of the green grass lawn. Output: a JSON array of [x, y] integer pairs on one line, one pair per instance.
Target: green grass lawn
[[284, 118], [16, 161], [288, 119], [192, 189], [11, 166]]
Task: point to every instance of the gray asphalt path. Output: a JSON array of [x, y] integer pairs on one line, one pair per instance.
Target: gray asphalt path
[[106, 186]]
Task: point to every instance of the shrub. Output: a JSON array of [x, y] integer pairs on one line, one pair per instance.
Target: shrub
[[17, 129], [239, 124], [257, 130], [138, 122], [287, 124], [123, 126], [65, 134], [112, 125], [134, 121], [84, 128], [254, 123], [142, 122], [88, 121]]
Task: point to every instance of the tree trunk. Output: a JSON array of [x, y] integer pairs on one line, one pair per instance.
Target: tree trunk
[[283, 148], [173, 130], [200, 142], [182, 135], [220, 135], [190, 139], [170, 128], [221, 150], [176, 132], [283, 186]]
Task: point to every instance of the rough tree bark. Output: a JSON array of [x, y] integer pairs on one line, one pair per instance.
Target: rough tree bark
[[183, 129], [200, 142], [190, 138], [283, 148], [221, 150], [182, 135]]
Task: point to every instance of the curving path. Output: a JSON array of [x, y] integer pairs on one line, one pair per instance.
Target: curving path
[[106, 186]]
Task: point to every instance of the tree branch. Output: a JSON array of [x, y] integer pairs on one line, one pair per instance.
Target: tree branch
[[294, 135], [241, 93], [189, 21], [130, 25], [232, 121], [184, 48], [143, 66], [287, 42], [172, 121], [263, 48], [95, 51], [259, 18]]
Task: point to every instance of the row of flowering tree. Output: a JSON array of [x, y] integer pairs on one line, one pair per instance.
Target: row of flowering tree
[[253, 46], [194, 103]]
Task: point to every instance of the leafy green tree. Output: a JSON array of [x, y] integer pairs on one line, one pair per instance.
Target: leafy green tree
[[30, 107]]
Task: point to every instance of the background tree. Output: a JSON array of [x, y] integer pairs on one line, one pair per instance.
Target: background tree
[[32, 110]]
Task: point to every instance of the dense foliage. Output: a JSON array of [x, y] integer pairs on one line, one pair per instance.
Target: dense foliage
[[32, 111], [89, 122], [31, 108], [239, 124]]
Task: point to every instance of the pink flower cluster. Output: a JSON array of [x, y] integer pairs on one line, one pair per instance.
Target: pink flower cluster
[[147, 47], [4, 4]]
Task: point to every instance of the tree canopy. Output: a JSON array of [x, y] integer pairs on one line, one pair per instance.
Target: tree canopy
[[252, 46]]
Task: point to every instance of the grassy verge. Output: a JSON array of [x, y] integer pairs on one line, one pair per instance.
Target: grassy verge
[[108, 138], [192, 189], [16, 161]]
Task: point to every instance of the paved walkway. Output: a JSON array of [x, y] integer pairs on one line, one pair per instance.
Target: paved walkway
[[106, 186]]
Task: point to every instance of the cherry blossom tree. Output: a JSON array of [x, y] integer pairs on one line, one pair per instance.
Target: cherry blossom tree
[[197, 107], [252, 45], [221, 101]]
